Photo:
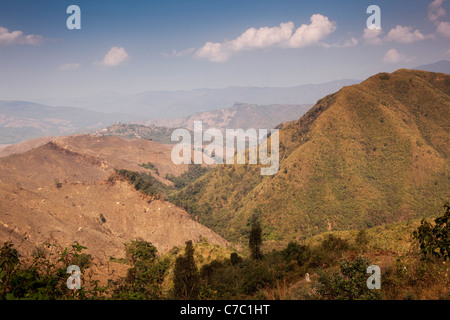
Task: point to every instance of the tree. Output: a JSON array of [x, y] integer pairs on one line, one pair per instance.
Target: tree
[[297, 252], [435, 240], [9, 263], [186, 276], [235, 259], [140, 251], [362, 239], [145, 277], [255, 239]]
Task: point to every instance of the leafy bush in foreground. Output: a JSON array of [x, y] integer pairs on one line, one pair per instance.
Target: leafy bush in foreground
[[43, 278], [435, 240], [349, 283]]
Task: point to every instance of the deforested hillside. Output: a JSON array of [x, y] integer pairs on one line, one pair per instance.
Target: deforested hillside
[[369, 154], [68, 190]]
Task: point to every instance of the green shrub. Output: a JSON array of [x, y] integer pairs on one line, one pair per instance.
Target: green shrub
[[194, 172], [349, 283], [435, 240], [362, 239], [58, 184], [297, 252], [150, 166], [235, 259], [256, 275], [82, 260], [328, 252], [208, 271], [102, 218], [334, 244], [143, 182]]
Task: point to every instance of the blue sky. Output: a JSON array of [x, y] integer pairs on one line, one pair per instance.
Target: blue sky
[[134, 46]]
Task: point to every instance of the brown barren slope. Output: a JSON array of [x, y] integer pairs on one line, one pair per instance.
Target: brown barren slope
[[24, 146], [34, 210], [124, 153]]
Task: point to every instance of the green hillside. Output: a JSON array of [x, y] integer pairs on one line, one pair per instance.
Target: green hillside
[[370, 154]]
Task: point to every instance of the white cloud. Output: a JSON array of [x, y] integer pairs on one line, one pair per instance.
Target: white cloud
[[393, 56], [214, 52], [435, 10], [372, 36], [266, 37], [251, 39], [443, 28], [69, 66], [405, 35], [115, 57], [310, 34], [399, 34], [17, 37], [262, 38]]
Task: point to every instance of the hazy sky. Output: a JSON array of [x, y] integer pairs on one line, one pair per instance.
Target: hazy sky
[[133, 46]]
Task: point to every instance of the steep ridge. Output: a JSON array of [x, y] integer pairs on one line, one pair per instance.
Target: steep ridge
[[370, 154], [44, 165], [125, 153], [114, 152], [6, 150]]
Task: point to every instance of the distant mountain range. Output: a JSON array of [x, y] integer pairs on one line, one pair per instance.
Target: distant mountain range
[[442, 66], [255, 107], [175, 104], [21, 120], [240, 115]]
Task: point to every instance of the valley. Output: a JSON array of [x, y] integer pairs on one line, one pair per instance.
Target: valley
[[358, 171], [212, 157]]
